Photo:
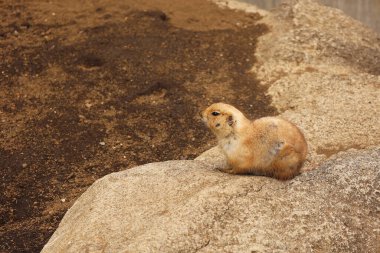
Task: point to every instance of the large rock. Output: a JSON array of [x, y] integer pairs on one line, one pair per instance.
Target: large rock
[[187, 206], [323, 72]]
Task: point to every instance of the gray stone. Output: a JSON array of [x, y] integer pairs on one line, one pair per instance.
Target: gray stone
[[323, 72], [188, 206]]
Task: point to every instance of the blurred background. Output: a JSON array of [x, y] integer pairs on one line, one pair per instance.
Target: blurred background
[[366, 11]]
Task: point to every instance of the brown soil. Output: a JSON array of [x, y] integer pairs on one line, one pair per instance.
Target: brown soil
[[91, 88]]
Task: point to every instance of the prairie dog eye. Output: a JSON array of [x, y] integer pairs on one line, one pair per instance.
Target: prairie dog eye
[[215, 113]]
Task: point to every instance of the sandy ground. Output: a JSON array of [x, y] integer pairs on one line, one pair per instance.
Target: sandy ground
[[95, 87]]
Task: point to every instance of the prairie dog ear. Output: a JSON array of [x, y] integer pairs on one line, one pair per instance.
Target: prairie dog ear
[[230, 120]]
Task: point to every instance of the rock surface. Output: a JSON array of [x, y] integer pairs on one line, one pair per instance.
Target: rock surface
[[187, 206], [322, 70]]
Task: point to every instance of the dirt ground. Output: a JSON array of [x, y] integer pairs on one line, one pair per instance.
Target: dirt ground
[[92, 87]]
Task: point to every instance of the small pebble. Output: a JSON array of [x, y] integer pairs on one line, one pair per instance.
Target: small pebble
[[70, 176], [102, 143], [88, 104], [63, 200]]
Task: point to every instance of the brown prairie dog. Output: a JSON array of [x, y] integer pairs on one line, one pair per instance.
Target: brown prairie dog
[[268, 146]]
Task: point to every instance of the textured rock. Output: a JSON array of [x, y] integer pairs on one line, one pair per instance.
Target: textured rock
[[323, 70], [187, 206]]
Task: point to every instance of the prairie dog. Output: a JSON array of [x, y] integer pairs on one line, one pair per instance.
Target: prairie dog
[[268, 146]]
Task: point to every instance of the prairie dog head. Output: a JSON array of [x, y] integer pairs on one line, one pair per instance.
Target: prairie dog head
[[222, 119]]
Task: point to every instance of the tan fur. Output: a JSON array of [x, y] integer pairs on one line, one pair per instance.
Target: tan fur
[[268, 146]]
